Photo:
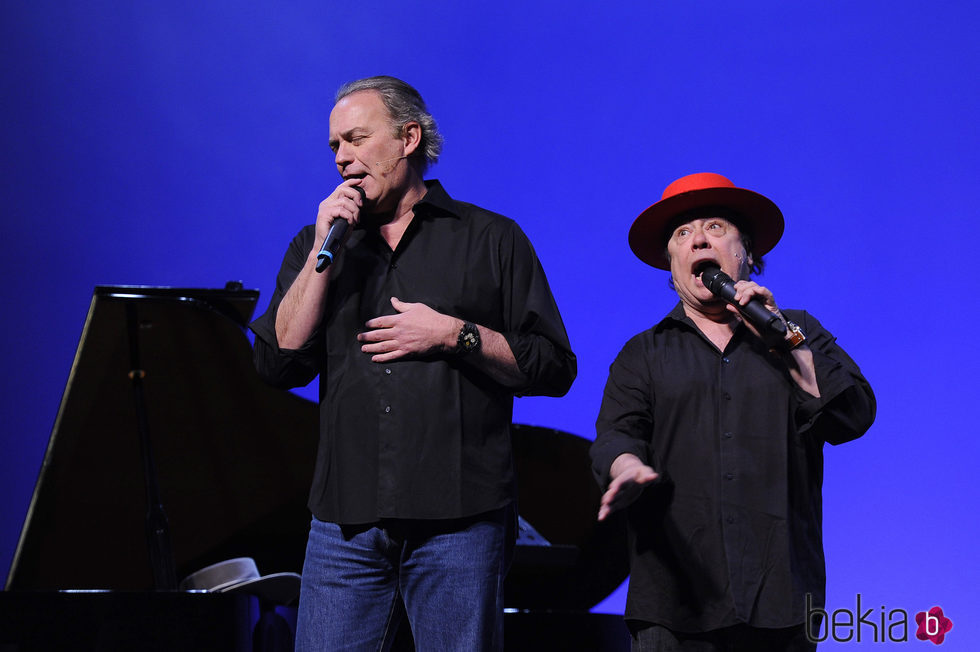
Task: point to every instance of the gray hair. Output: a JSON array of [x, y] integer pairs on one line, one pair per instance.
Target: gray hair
[[404, 105]]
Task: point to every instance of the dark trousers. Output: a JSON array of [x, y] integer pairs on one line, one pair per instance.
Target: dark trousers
[[648, 637]]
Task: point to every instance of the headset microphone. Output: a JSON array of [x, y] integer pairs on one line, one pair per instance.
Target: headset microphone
[[388, 160]]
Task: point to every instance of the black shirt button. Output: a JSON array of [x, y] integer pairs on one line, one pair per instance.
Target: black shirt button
[[729, 476]]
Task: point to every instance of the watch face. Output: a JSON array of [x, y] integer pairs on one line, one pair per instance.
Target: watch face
[[469, 338]]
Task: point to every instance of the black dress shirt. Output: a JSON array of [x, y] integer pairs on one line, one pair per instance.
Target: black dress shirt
[[429, 437], [731, 532]]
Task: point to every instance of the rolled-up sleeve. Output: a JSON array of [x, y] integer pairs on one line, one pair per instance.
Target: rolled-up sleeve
[[534, 329], [286, 368], [846, 406]]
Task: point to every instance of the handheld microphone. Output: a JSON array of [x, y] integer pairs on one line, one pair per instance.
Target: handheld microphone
[[722, 286], [335, 237]]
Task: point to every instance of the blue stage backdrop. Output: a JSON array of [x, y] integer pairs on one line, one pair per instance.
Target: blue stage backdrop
[[184, 144]]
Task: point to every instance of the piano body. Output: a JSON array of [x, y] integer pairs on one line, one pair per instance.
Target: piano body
[[169, 454]]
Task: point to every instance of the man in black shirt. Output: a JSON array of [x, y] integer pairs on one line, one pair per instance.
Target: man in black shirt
[[711, 435], [433, 316]]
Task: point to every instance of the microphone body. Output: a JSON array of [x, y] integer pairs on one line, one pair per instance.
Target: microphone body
[[722, 286], [331, 244], [335, 238]]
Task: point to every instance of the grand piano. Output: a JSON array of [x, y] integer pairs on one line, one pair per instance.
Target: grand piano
[[169, 454]]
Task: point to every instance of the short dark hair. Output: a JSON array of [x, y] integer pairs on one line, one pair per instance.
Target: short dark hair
[[404, 104]]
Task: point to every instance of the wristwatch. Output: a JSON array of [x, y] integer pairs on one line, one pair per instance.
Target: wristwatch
[[468, 339], [794, 335]]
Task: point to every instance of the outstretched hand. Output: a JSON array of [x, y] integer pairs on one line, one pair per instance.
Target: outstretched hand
[[630, 476]]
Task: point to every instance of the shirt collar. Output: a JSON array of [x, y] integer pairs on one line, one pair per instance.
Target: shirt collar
[[436, 201], [678, 314]]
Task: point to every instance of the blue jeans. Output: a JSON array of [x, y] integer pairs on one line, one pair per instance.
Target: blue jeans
[[449, 575]]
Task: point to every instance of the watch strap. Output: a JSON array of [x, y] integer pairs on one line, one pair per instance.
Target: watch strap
[[794, 335]]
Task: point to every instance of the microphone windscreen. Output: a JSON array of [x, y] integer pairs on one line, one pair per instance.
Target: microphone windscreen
[[713, 278]]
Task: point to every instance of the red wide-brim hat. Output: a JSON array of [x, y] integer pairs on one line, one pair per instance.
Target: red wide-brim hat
[[757, 214]]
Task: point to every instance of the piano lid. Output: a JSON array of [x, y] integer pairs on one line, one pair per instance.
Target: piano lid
[[233, 456], [234, 462]]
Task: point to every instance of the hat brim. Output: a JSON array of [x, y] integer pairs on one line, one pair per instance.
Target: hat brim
[[648, 235], [279, 588]]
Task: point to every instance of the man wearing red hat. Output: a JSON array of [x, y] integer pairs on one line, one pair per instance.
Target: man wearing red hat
[[711, 434]]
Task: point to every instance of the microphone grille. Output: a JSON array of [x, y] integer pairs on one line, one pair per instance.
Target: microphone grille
[[711, 276]]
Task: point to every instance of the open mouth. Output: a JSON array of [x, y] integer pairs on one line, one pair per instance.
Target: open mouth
[[703, 265]]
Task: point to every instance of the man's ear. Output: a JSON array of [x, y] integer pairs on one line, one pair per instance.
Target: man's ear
[[411, 137]]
